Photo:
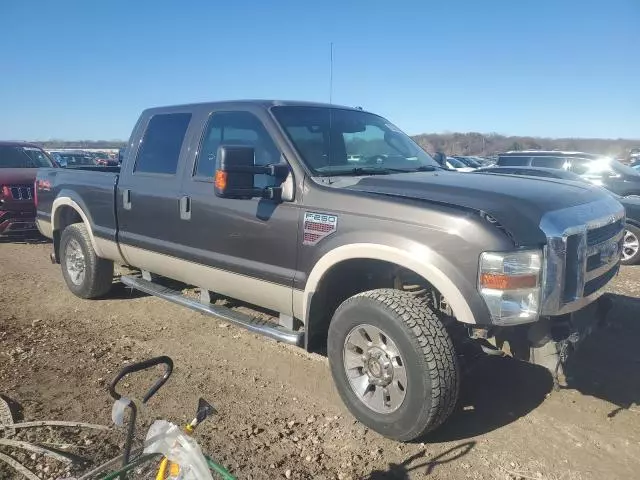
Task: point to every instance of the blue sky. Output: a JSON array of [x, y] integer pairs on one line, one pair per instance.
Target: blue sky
[[85, 69]]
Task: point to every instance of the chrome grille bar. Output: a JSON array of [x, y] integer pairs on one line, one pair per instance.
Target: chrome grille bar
[[575, 235], [21, 192]]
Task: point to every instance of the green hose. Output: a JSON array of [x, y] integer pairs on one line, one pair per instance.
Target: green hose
[[213, 466], [129, 466], [219, 469]]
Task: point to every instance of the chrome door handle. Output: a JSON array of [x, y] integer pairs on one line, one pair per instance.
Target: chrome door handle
[[185, 208], [126, 199]]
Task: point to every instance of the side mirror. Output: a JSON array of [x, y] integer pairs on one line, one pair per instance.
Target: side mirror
[[235, 171]]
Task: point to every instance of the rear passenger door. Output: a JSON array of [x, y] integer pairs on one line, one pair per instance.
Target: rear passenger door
[[147, 197]]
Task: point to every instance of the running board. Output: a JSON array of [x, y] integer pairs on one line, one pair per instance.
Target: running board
[[253, 324]]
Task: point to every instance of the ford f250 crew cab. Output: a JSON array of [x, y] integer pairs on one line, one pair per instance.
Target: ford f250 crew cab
[[391, 263]]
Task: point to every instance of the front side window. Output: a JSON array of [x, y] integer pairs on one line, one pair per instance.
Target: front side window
[[162, 142], [333, 141], [23, 157], [236, 128]]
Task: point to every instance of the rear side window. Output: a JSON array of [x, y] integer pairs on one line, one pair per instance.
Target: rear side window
[[548, 162], [513, 161], [160, 150]]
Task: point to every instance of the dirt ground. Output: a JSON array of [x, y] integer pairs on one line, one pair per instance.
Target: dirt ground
[[279, 414]]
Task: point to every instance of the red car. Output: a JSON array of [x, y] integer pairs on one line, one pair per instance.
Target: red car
[[19, 163]]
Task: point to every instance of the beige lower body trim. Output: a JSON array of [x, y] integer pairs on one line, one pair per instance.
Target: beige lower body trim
[[251, 290], [416, 260], [45, 228], [103, 248], [298, 304], [108, 250]]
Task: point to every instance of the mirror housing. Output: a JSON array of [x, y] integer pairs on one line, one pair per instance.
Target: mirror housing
[[235, 171]]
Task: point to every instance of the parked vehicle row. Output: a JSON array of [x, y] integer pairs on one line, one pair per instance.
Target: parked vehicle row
[[631, 243], [19, 163], [607, 172], [354, 239], [81, 158]]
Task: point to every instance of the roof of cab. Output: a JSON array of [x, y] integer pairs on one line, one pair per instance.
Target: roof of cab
[[266, 104], [8, 143]]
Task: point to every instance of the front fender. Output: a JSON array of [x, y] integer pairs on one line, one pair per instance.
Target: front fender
[[461, 295]]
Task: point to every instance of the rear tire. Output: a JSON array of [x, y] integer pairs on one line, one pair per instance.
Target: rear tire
[[86, 274], [417, 370], [631, 245]]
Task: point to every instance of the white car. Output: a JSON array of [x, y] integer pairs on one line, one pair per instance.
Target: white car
[[455, 164]]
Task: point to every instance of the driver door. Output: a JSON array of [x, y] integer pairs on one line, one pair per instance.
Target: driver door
[[249, 245]]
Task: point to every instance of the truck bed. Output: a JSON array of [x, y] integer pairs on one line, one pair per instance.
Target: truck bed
[[92, 188]]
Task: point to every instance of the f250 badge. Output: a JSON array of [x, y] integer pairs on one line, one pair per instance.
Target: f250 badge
[[318, 226]]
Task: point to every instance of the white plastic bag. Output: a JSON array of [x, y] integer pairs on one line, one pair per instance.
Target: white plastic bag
[[118, 409], [169, 440]]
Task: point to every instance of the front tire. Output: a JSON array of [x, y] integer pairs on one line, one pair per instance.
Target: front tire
[[86, 274], [631, 245], [393, 363]]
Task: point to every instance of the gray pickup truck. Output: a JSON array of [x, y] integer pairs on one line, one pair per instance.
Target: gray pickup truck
[[353, 240]]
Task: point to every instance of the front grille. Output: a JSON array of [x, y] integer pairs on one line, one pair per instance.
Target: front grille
[[597, 283], [21, 192], [581, 255], [602, 234], [572, 269], [593, 262]]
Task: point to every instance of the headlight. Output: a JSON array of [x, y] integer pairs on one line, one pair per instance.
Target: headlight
[[509, 282]]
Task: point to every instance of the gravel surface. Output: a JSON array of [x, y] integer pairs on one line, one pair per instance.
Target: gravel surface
[[279, 415]]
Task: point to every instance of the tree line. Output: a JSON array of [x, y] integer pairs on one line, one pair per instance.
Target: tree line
[[450, 143], [489, 144]]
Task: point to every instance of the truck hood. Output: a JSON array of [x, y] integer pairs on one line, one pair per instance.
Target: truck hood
[[17, 176], [517, 203]]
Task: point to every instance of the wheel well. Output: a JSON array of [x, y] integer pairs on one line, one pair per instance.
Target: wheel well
[[633, 223], [349, 278], [64, 216]]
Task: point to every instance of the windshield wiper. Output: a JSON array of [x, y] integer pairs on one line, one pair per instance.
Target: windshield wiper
[[361, 171], [422, 168], [358, 171]]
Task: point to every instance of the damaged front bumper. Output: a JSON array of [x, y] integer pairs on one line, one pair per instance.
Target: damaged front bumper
[[552, 340], [549, 342]]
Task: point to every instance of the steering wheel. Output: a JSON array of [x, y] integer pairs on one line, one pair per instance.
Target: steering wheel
[[375, 159]]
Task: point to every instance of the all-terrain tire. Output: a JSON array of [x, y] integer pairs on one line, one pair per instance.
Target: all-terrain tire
[[633, 232], [98, 272], [427, 352]]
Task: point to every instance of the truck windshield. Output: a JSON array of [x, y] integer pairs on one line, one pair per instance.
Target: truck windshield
[[335, 141], [23, 157]]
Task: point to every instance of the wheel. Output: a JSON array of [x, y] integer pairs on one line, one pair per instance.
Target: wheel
[[631, 245], [393, 363], [86, 274]]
